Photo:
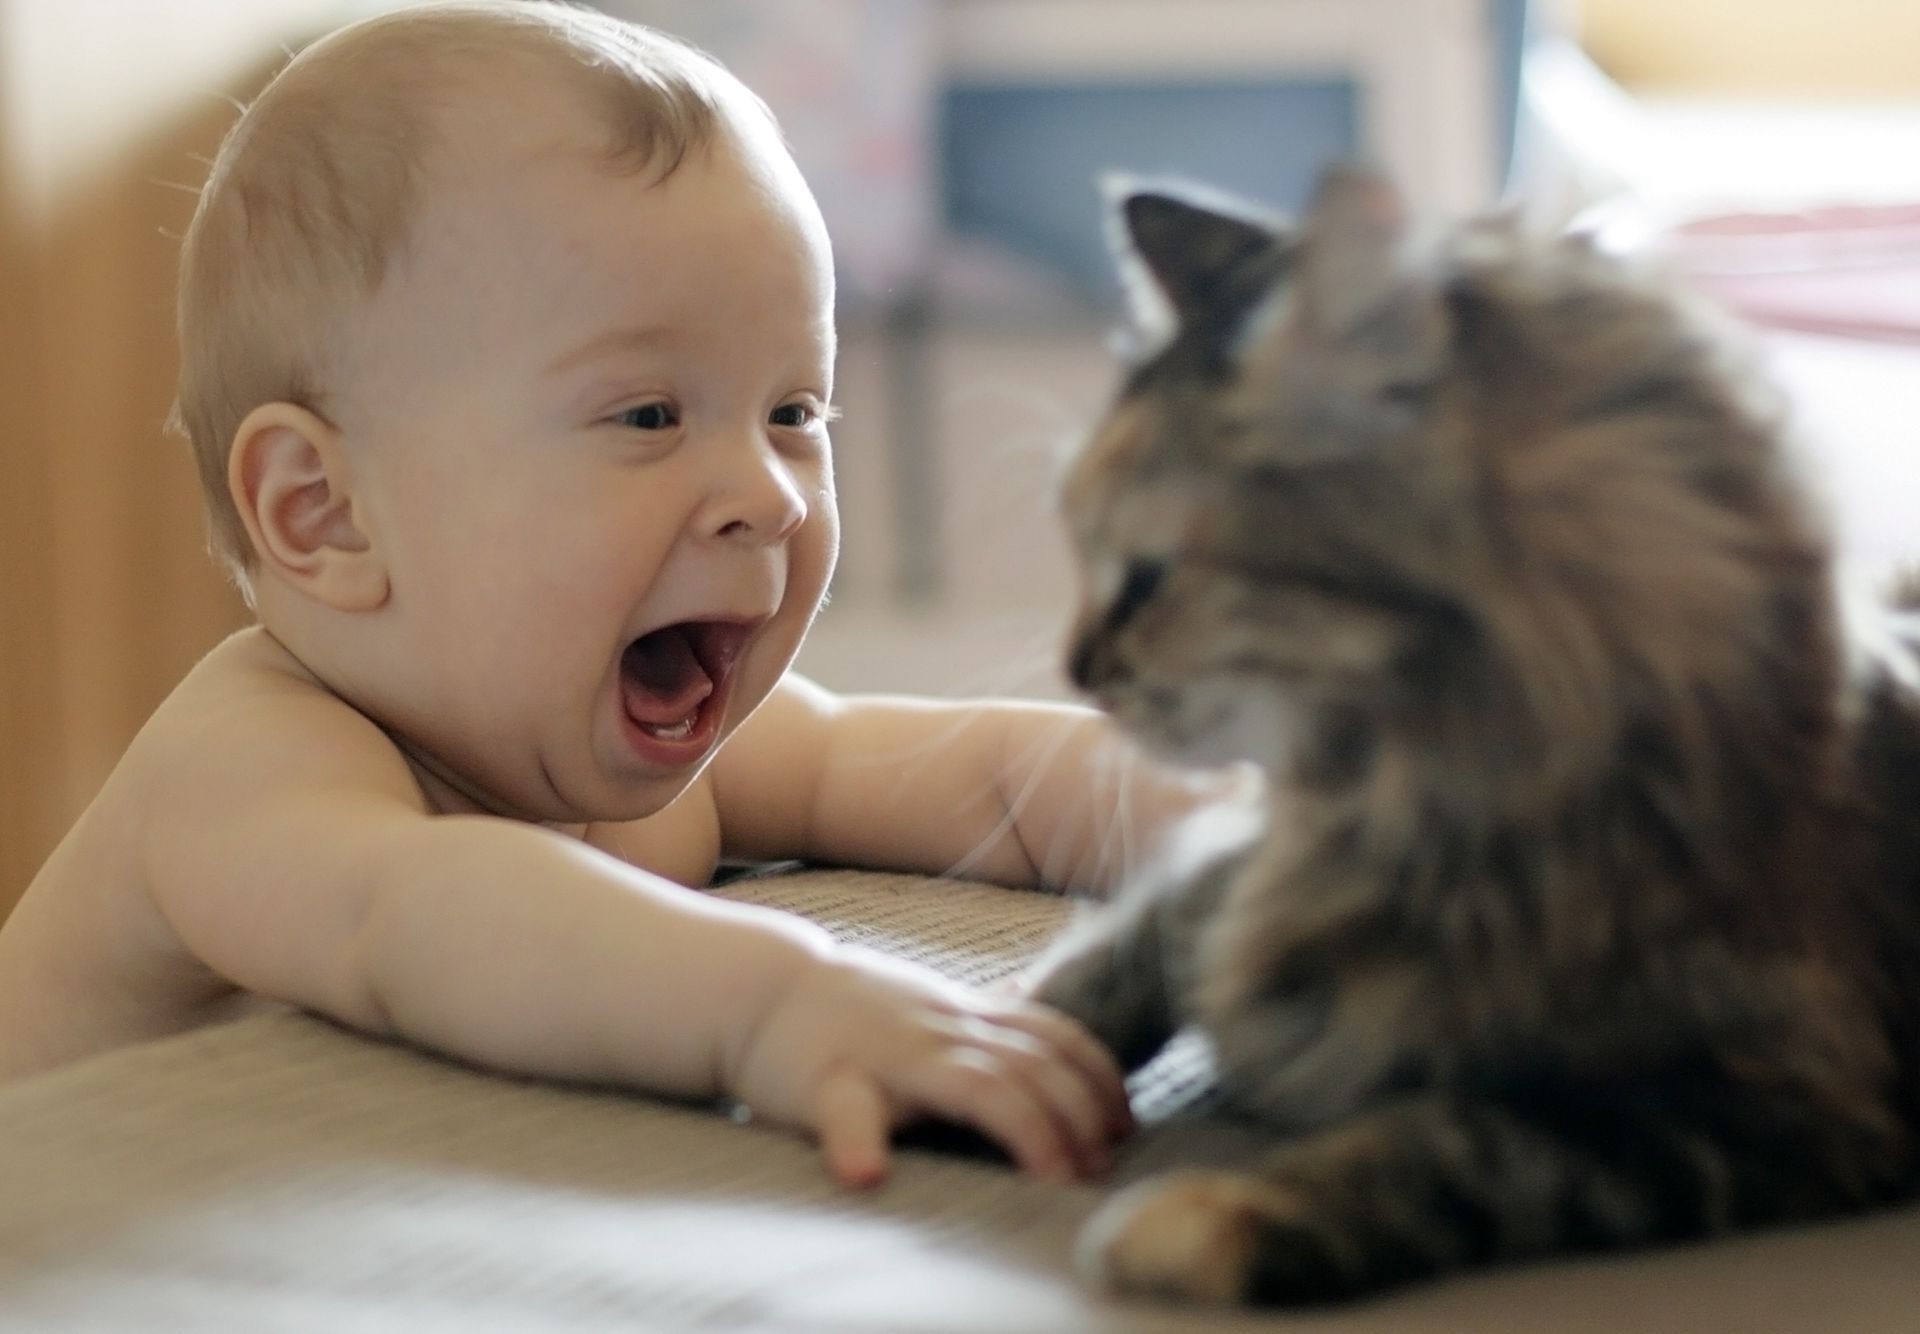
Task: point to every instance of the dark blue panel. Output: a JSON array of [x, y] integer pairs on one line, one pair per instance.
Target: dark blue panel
[[1513, 28], [1022, 162]]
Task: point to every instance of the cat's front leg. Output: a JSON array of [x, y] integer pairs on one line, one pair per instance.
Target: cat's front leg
[[1404, 1193], [1109, 976], [1124, 969], [1413, 1190], [1436, 1182]]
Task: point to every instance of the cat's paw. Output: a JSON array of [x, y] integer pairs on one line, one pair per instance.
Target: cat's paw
[[1216, 1237]]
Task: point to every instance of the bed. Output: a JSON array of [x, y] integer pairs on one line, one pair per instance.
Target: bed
[[278, 1173]]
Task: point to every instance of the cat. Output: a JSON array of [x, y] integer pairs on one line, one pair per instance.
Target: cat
[[1585, 914]]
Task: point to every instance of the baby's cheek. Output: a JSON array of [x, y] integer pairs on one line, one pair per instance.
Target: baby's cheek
[[811, 558]]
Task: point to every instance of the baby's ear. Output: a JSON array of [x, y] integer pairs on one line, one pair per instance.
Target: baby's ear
[[290, 481]]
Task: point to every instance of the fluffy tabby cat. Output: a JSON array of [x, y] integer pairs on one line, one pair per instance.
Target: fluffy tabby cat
[[1586, 914]]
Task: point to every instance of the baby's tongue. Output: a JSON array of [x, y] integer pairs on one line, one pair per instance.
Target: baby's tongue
[[661, 679]]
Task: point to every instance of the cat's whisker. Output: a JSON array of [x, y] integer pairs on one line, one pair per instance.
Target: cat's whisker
[[913, 759], [1123, 820], [1045, 749], [1112, 804]]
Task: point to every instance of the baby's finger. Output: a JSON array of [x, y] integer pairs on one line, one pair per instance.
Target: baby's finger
[[1089, 1057], [854, 1123], [977, 1087], [1062, 1090]]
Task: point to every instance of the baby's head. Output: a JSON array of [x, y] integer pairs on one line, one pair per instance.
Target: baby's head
[[507, 351]]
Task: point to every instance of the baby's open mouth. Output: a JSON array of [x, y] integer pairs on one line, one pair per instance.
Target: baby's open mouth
[[667, 676]]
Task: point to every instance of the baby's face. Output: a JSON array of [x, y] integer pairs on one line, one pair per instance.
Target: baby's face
[[588, 423]]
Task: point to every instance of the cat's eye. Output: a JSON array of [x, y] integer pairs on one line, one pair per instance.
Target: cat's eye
[[1140, 581], [658, 415]]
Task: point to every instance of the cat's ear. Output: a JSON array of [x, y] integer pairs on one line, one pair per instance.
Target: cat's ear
[[1353, 262], [1360, 283], [1184, 253]]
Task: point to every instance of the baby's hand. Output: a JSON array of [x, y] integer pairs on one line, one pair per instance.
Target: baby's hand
[[859, 1044]]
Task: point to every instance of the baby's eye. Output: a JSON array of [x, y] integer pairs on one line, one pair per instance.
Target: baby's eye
[[795, 415], [656, 416]]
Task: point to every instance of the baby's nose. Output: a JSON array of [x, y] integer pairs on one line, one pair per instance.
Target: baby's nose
[[760, 500]]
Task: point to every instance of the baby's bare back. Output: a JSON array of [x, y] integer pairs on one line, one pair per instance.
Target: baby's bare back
[[87, 960]]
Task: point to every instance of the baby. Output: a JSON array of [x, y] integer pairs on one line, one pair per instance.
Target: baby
[[507, 340]]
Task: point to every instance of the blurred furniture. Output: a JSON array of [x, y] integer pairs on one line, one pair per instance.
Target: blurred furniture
[[1852, 271], [106, 114], [1249, 95], [1855, 49], [278, 1173]]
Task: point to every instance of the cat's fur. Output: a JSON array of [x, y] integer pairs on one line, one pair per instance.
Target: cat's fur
[[1587, 912]]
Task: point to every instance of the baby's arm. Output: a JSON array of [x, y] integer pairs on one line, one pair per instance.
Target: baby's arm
[[1019, 793], [297, 860]]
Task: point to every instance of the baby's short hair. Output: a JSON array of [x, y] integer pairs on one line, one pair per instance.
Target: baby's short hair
[[314, 188]]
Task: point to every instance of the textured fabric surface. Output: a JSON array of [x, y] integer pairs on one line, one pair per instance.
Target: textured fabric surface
[[280, 1174]]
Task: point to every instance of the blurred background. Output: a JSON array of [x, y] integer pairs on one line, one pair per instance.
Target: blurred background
[[1770, 147]]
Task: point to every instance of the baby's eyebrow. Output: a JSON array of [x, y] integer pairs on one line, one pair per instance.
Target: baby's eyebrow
[[613, 340]]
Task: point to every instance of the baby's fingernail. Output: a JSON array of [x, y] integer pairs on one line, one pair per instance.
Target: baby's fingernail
[[860, 1176]]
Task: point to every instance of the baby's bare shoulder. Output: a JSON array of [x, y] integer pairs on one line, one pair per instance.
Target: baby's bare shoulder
[[250, 722], [92, 956], [252, 761]]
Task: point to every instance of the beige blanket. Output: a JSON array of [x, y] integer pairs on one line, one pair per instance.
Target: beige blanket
[[279, 1174]]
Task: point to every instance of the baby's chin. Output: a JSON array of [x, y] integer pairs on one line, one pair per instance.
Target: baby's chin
[[539, 796], [631, 805], [625, 787]]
